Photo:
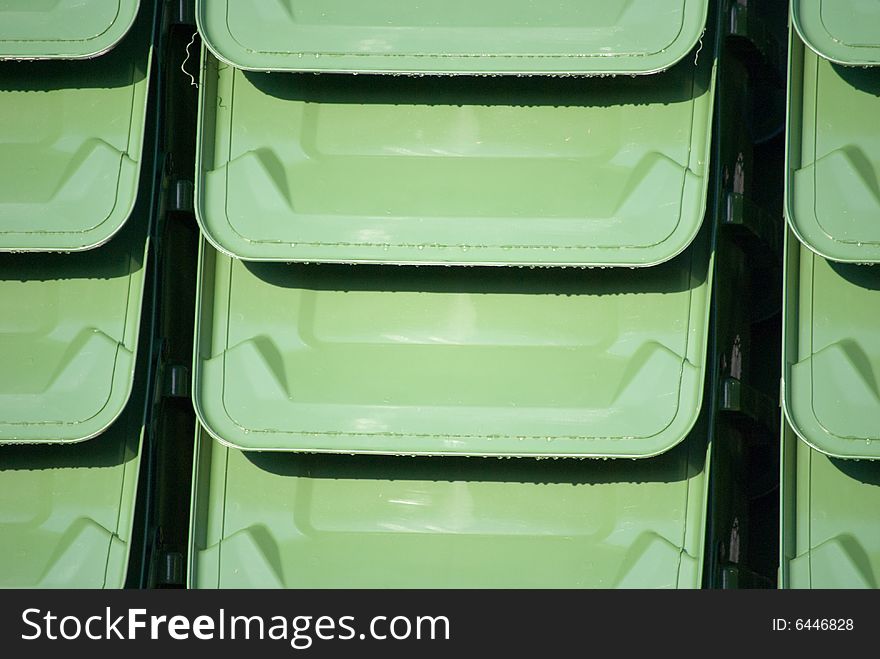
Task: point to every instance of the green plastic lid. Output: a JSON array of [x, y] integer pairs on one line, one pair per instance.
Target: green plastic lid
[[67, 512], [446, 361], [495, 171], [832, 353], [322, 521], [829, 511], [454, 36], [68, 334], [833, 194], [843, 31], [63, 29], [71, 144]]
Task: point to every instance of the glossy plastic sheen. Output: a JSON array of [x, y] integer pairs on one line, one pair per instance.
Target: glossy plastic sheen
[[495, 171], [830, 535], [843, 31], [68, 334], [320, 521], [832, 353], [71, 144], [455, 36], [63, 29], [66, 512], [452, 361], [833, 194]]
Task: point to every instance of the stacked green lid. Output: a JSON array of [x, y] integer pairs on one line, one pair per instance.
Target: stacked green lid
[[831, 342], [318, 333], [328, 521], [843, 31], [832, 408], [462, 170], [833, 207], [73, 144]]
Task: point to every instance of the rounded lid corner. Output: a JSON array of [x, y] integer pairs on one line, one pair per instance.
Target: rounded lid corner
[[65, 31], [845, 32], [596, 37]]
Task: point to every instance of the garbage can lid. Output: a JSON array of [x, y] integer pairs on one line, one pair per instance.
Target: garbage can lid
[[71, 145], [463, 361], [387, 522], [828, 518], [454, 36], [832, 353], [833, 154], [843, 31], [67, 512], [473, 171], [63, 29], [68, 334]]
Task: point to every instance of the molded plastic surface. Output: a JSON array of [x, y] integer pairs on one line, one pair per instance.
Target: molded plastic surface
[[64, 29], [71, 144], [563, 171], [844, 31], [495, 361], [68, 337], [832, 353], [66, 512], [830, 535], [833, 168], [320, 521], [455, 36]]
